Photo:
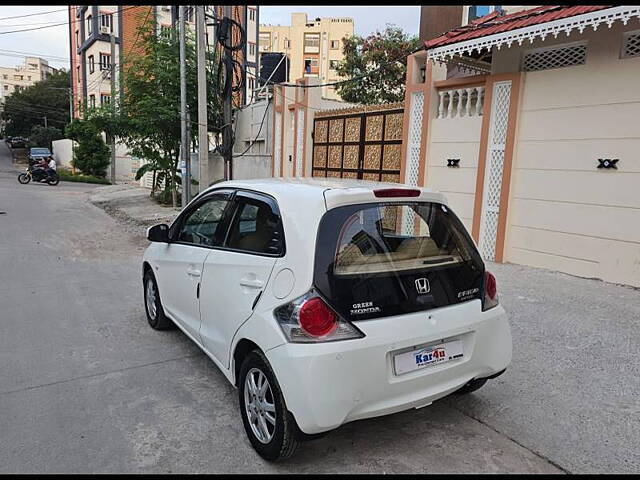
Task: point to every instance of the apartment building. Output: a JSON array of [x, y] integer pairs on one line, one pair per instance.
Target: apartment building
[[91, 28], [13, 79], [313, 48]]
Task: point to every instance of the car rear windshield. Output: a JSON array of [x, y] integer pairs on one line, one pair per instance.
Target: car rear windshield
[[385, 259], [40, 151]]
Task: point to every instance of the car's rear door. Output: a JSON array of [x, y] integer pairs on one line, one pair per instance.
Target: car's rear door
[[235, 276], [201, 228]]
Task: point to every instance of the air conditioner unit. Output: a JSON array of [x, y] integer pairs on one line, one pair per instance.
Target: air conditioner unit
[[105, 29], [166, 8]]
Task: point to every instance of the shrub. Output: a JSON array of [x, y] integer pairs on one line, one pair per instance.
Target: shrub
[[92, 156]]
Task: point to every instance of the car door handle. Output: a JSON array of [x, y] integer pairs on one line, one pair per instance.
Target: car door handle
[[251, 283], [193, 272]]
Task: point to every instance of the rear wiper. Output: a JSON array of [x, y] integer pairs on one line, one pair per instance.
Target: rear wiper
[[440, 260]]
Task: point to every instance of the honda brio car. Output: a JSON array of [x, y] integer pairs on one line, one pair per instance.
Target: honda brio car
[[327, 301]]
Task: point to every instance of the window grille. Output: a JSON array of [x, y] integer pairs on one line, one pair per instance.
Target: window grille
[[555, 57], [631, 44]]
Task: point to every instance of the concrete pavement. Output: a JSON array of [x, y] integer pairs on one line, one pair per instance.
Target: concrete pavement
[[87, 386]]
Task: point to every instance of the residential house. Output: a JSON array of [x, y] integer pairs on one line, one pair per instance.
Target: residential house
[[536, 146]]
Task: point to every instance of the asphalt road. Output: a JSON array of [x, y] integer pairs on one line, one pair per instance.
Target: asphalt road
[[87, 386]]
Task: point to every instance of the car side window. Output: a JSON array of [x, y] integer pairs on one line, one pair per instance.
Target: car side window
[[203, 226], [256, 227]]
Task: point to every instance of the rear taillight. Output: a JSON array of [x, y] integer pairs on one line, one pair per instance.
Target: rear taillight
[[396, 192], [308, 319], [490, 298], [316, 318]]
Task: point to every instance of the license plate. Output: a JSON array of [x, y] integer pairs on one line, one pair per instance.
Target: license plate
[[427, 356]]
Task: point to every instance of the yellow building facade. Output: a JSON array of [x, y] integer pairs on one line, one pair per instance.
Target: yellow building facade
[[313, 48]]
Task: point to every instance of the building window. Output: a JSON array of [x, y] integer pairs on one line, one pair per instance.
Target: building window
[[78, 73], [265, 41], [6, 87], [106, 20], [311, 42], [92, 101], [311, 65], [18, 77], [28, 77], [105, 61], [333, 64], [105, 99], [77, 38], [287, 43], [89, 25], [165, 30], [335, 44], [92, 64], [252, 14], [252, 49], [6, 77]]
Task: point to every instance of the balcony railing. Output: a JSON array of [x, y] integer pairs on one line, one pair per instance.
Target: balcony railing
[[460, 102]]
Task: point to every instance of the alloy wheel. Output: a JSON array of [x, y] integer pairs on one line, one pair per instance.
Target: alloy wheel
[[151, 299], [260, 405]]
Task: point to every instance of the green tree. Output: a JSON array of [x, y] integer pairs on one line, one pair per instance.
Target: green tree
[[149, 116], [41, 136], [91, 156], [26, 108], [382, 57]]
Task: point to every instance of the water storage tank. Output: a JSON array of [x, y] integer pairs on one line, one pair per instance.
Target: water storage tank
[[269, 62]]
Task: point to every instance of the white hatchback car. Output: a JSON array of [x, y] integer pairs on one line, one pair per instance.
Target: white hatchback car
[[327, 301]]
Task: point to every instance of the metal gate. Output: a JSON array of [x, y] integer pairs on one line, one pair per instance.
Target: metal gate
[[494, 169], [362, 143]]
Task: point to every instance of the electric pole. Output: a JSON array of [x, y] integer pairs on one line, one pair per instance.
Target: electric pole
[[203, 138], [184, 149], [227, 139], [112, 72]]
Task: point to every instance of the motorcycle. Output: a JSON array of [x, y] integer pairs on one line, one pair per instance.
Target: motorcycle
[[38, 175]]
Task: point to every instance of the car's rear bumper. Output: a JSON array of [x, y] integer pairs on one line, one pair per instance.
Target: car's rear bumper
[[328, 384]]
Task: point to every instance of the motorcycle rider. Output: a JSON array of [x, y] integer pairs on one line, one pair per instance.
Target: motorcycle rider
[[51, 168]]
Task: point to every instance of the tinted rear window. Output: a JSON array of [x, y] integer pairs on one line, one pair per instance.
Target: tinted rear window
[[386, 259]]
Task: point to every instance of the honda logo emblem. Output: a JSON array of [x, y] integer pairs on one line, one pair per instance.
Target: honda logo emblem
[[422, 285]]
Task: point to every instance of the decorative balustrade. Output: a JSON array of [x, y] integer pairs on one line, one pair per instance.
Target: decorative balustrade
[[460, 102]]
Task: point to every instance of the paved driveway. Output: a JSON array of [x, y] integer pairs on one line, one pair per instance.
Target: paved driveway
[[87, 386]]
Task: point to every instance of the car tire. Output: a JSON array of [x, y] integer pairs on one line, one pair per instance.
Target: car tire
[[152, 304], [471, 386], [281, 440], [23, 178]]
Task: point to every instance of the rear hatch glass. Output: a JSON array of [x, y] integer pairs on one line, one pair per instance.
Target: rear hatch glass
[[382, 259]]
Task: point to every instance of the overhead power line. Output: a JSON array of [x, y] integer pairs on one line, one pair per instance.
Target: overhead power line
[[63, 23], [33, 14]]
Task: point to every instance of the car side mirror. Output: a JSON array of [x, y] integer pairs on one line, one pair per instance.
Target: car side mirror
[[158, 233]]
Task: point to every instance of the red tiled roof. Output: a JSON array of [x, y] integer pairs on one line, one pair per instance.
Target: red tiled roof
[[494, 23]]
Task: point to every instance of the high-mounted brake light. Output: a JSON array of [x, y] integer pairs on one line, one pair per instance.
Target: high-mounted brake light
[[396, 192], [490, 299]]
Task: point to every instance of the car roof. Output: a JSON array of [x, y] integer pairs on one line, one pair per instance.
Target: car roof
[[336, 191]]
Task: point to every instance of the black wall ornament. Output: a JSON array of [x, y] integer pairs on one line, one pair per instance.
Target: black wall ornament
[[453, 162], [608, 163]]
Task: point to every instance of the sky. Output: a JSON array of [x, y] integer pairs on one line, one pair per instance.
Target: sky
[[52, 42]]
